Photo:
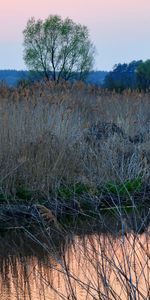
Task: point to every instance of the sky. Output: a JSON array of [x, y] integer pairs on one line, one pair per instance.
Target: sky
[[119, 29]]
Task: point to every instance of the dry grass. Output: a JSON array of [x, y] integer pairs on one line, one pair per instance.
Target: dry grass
[[52, 135], [46, 136]]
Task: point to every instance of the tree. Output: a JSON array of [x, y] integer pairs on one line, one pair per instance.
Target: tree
[[58, 48], [123, 76], [143, 75]]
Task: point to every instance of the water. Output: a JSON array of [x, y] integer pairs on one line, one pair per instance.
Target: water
[[41, 265]]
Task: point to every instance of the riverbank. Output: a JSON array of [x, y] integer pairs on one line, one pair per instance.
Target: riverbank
[[78, 211], [79, 151]]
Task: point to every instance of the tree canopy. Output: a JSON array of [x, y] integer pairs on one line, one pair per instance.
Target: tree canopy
[[123, 76], [61, 49], [143, 75]]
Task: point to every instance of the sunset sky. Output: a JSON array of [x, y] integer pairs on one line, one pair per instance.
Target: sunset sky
[[120, 29]]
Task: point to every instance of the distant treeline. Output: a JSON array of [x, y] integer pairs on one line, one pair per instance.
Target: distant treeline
[[135, 75], [14, 78]]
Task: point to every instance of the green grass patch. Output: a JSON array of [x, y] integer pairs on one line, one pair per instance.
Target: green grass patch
[[77, 189], [126, 188], [3, 197], [24, 194]]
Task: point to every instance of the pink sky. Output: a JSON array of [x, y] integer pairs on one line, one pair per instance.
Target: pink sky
[[120, 29]]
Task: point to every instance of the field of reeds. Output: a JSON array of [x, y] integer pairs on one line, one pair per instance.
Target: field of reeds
[[57, 135], [63, 142]]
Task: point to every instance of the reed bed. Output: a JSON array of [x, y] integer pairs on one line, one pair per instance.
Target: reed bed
[[49, 136], [58, 135]]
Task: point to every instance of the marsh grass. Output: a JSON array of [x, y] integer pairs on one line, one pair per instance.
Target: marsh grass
[[75, 143], [47, 140]]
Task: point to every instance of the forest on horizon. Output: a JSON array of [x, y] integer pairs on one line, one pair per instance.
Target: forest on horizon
[[135, 75]]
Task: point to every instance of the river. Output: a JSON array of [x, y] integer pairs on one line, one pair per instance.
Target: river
[[76, 267]]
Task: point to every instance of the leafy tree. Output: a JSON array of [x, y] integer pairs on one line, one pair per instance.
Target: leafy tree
[[123, 76], [143, 75], [59, 48]]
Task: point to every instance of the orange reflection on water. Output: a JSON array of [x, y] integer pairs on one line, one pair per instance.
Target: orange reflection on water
[[93, 267]]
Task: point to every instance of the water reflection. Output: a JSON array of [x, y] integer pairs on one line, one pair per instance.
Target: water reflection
[[41, 265]]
